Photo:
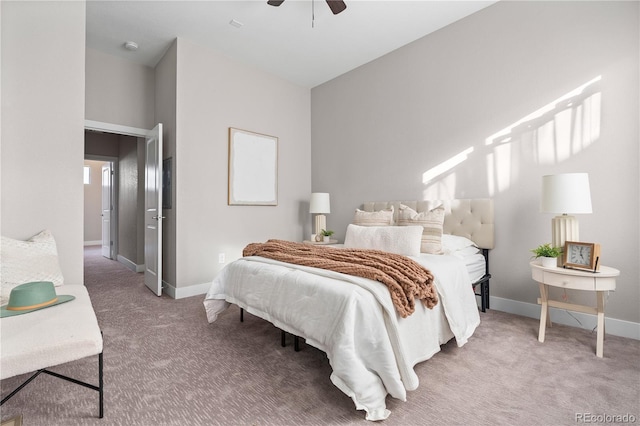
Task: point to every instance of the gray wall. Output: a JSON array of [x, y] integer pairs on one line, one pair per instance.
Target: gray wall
[[130, 201], [379, 128], [114, 81], [42, 132], [198, 95], [214, 93]]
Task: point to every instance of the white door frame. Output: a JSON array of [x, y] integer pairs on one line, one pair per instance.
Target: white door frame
[[115, 128]]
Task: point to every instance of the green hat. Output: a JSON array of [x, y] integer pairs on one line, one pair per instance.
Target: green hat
[[32, 296]]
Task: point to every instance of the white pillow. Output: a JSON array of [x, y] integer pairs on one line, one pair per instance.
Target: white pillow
[[379, 218], [404, 240], [25, 261], [451, 243], [432, 222]]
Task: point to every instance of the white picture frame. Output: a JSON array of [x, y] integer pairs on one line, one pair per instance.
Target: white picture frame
[[253, 168]]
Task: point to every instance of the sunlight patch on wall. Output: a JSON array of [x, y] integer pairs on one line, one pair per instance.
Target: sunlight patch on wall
[[542, 116], [499, 178], [551, 134], [443, 189], [445, 186], [445, 166]]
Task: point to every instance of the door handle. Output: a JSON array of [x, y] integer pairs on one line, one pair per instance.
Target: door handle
[[158, 217]]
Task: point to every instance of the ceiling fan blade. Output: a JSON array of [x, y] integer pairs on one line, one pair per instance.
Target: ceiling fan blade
[[275, 2], [336, 6]]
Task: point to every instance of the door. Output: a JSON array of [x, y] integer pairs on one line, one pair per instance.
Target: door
[[153, 211], [106, 210]]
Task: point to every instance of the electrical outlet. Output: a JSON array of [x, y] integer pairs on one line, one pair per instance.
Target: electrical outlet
[[221, 258]]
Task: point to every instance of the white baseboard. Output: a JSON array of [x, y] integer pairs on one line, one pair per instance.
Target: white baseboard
[[93, 243], [182, 292], [613, 326], [130, 265]]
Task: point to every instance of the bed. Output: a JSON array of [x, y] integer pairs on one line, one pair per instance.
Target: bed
[[372, 349]]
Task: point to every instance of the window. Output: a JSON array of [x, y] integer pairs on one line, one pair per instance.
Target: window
[[87, 175]]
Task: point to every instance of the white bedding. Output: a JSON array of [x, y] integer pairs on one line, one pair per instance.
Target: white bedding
[[371, 349]]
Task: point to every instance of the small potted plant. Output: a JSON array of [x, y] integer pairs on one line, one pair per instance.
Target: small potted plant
[[547, 254], [326, 235]]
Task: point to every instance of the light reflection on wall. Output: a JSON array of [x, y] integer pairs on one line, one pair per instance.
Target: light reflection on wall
[[551, 134], [441, 189], [547, 136]]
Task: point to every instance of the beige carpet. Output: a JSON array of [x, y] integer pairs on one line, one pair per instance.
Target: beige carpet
[[165, 365]]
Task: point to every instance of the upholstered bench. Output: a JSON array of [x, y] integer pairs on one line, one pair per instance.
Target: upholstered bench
[[37, 340]]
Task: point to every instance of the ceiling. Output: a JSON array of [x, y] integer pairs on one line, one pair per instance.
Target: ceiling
[[300, 41]]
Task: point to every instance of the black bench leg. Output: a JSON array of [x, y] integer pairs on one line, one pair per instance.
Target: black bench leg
[[19, 388], [99, 388], [100, 385]]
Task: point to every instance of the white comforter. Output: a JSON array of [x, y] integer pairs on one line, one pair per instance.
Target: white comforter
[[371, 349]]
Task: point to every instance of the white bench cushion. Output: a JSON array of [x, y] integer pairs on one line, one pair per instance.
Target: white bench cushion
[[51, 336]]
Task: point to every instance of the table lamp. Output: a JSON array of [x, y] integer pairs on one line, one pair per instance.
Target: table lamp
[[566, 194], [320, 205]]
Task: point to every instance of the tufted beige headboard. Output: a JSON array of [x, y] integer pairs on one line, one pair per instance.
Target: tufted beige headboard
[[470, 218]]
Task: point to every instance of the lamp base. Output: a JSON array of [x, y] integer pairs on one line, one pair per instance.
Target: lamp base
[[321, 223], [563, 228]]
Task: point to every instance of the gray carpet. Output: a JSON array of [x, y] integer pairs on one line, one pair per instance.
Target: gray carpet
[[165, 365]]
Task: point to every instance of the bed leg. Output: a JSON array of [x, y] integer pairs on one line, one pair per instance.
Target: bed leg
[[296, 343], [486, 295], [283, 338], [241, 315]]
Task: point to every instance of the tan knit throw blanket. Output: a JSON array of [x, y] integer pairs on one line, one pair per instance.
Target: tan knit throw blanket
[[406, 279]]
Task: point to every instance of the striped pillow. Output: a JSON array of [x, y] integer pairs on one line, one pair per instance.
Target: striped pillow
[[432, 223], [379, 218]]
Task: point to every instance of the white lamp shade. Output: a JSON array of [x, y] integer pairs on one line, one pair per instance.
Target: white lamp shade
[[566, 193], [320, 203]]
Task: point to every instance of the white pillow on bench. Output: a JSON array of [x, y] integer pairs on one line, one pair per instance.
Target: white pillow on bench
[[25, 261]]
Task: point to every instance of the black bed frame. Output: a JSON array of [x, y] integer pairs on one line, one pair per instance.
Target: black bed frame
[[483, 283]]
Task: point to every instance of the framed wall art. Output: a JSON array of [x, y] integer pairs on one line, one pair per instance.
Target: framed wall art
[[253, 169]]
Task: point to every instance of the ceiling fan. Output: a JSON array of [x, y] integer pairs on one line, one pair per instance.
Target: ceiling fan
[[336, 6]]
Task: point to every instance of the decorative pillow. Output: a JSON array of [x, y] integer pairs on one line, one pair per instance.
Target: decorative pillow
[[451, 243], [379, 218], [24, 261], [404, 240], [432, 223]]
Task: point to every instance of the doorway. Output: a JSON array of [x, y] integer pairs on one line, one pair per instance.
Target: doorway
[[100, 208], [134, 205], [122, 216]]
